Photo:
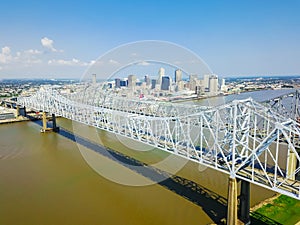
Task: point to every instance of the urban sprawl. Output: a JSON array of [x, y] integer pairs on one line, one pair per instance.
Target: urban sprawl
[[161, 87]]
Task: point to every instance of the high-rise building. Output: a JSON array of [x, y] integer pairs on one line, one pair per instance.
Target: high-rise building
[[193, 81], [166, 82], [223, 82], [94, 79], [178, 75], [153, 83], [124, 83], [224, 86], [117, 83], [206, 82], [131, 81], [147, 80], [180, 85], [213, 85], [161, 73], [193, 84], [198, 90]]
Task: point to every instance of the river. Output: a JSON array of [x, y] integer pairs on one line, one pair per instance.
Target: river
[[50, 179]]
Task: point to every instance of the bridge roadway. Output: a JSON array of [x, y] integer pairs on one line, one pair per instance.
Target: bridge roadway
[[243, 138]]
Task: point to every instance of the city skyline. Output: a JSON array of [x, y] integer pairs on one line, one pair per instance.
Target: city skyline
[[61, 39]]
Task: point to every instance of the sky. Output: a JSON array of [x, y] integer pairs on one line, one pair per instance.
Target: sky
[[62, 39]]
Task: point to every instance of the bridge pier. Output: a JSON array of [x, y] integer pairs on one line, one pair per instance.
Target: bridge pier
[[24, 112], [244, 209], [18, 111], [55, 128], [45, 128], [292, 165], [44, 119], [238, 215], [232, 202]]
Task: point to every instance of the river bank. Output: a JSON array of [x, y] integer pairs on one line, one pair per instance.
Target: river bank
[[279, 209], [14, 120]]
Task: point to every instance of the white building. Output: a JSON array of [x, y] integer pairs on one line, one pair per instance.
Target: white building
[[206, 82], [210, 84], [178, 75], [224, 87], [131, 81], [161, 73], [213, 85]]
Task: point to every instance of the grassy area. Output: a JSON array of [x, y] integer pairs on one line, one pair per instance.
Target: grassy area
[[283, 210]]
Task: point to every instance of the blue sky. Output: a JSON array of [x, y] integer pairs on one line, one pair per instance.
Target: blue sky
[[61, 39]]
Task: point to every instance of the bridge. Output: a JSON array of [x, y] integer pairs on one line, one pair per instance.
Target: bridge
[[286, 104], [253, 142]]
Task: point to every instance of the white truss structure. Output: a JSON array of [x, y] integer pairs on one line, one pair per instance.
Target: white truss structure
[[287, 104], [244, 139]]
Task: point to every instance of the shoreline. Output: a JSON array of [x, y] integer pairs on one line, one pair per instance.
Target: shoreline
[[23, 119], [264, 202], [16, 120], [201, 97]]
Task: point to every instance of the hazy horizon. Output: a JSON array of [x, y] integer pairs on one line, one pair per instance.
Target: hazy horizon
[[226, 77]]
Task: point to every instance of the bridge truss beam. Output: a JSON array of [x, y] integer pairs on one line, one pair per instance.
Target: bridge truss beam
[[243, 138]]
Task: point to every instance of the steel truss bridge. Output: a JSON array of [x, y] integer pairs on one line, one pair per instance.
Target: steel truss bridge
[[255, 142]]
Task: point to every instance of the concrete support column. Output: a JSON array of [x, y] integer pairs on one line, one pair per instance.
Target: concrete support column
[[25, 114], [55, 127], [292, 165], [44, 121], [244, 210], [18, 111], [53, 121], [232, 202]]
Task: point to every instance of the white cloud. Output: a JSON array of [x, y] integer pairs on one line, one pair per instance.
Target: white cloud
[[5, 55], [48, 43], [6, 50], [28, 57], [62, 62], [20, 58], [99, 62], [33, 52], [32, 60]]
